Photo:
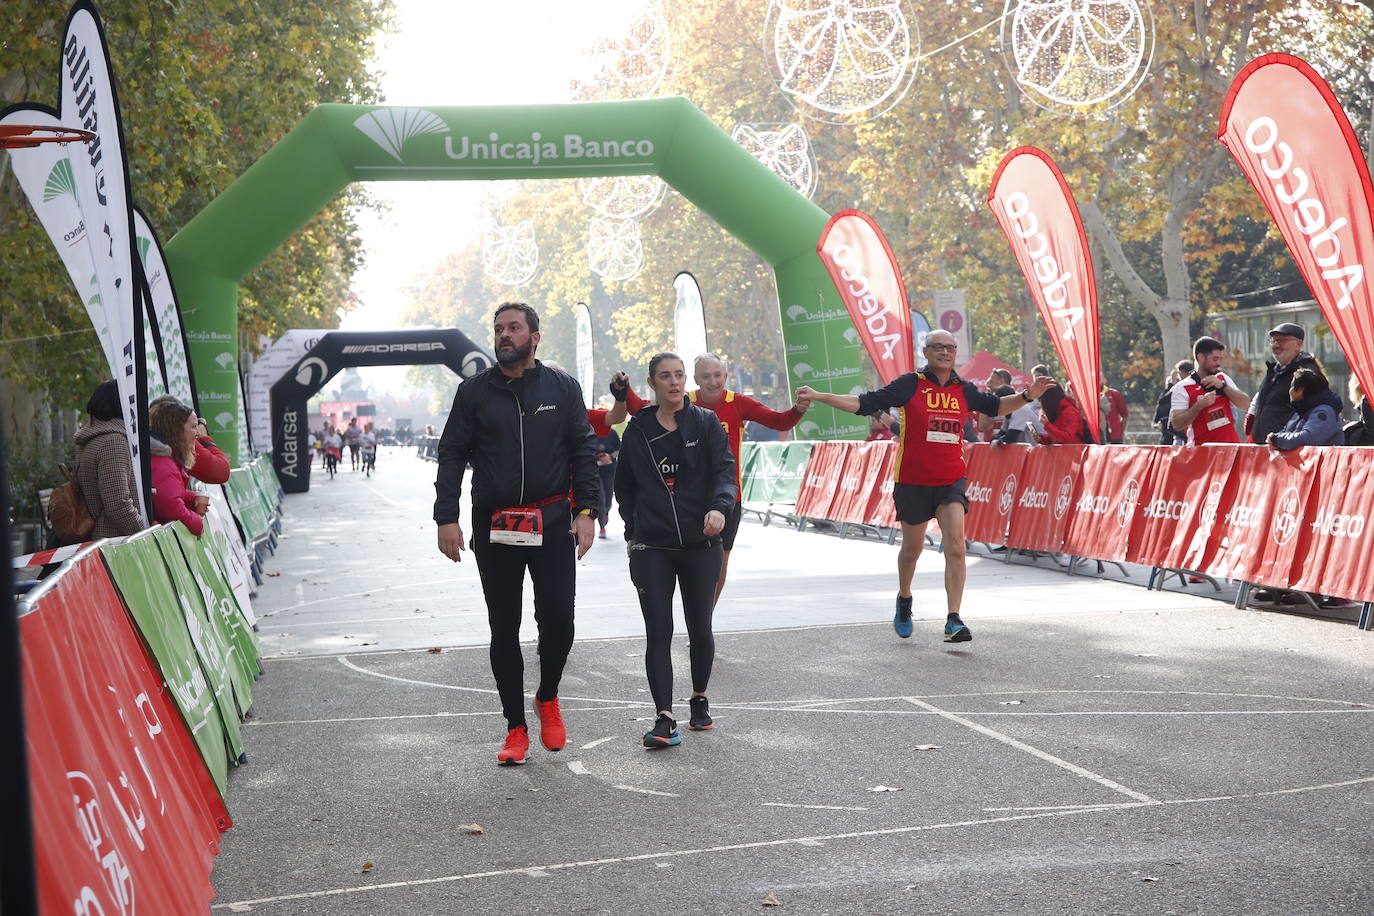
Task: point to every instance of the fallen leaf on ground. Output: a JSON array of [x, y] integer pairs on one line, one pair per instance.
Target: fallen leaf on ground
[[474, 829], [1149, 880], [771, 900], [273, 575], [367, 867], [928, 747], [886, 789], [435, 651]]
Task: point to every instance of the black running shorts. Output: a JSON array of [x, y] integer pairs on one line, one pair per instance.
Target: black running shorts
[[917, 504], [732, 518]]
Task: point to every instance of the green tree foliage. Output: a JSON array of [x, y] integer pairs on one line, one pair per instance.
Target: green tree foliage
[[205, 88]]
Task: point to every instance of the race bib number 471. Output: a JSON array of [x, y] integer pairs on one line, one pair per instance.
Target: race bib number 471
[[517, 527]]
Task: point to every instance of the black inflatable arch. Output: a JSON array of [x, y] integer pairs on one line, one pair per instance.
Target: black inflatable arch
[[339, 350]]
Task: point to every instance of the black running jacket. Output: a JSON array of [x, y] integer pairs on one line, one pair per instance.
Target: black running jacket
[[521, 454], [705, 481]]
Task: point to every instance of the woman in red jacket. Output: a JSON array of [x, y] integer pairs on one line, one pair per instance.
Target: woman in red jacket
[[1061, 419], [211, 464], [172, 442]]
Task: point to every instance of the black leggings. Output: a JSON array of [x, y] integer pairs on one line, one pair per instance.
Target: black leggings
[[655, 573], [552, 568]]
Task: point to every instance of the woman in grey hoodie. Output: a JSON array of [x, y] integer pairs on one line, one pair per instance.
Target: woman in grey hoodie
[[104, 468]]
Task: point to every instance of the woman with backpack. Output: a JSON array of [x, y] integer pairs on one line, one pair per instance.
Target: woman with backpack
[[172, 442], [104, 467]]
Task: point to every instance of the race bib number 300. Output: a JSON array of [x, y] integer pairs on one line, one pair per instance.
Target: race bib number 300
[[517, 527], [945, 431]]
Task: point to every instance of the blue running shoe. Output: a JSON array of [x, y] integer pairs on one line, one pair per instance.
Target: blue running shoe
[[955, 631], [901, 621]]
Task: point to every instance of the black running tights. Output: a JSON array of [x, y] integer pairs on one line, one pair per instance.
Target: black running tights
[[655, 573], [552, 568]]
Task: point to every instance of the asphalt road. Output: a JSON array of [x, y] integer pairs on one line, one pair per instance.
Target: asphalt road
[[1098, 748]]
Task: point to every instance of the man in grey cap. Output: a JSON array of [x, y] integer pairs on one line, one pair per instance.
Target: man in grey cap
[[1269, 409]]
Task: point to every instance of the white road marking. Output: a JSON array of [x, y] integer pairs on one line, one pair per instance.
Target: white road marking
[[646, 791], [1035, 752], [244, 906], [1067, 807], [361, 621], [813, 807], [578, 767], [591, 744], [343, 660]]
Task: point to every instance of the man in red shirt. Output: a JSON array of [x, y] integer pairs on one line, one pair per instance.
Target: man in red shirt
[[930, 472], [734, 410], [1201, 402], [626, 402], [1116, 414]]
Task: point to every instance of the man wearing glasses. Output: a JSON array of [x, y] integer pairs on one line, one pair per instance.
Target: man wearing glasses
[[931, 475]]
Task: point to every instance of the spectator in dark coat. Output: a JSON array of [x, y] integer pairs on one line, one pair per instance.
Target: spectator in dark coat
[[1316, 416], [105, 467], [1361, 431], [1270, 409]]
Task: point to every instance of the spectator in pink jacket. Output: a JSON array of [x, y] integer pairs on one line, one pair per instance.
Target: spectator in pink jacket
[[172, 442], [211, 464]]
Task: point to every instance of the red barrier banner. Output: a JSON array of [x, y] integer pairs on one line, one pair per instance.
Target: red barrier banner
[[994, 483], [881, 510], [862, 472], [1179, 509], [126, 816], [1039, 217], [821, 480], [1292, 139], [1044, 505], [851, 492], [1333, 556], [1247, 503], [864, 270], [1291, 477], [1106, 510]]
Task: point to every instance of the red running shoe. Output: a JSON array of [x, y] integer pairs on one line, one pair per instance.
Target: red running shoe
[[517, 746], [552, 733]]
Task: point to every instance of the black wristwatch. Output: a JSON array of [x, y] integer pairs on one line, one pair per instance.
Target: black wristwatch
[[1027, 395]]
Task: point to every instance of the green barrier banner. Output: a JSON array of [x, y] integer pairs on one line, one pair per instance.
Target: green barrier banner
[[335, 145], [140, 575], [774, 470], [243, 499], [218, 598], [211, 646]]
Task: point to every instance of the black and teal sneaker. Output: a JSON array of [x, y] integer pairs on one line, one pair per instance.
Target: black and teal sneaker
[[701, 714], [955, 631], [901, 621], [663, 734]]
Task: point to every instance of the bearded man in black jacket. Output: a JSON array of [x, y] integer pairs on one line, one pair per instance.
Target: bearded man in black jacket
[[523, 428]]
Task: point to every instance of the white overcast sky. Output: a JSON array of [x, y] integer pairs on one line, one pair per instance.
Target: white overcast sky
[[463, 52]]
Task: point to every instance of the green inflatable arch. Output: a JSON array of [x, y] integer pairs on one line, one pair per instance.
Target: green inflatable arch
[[670, 137]]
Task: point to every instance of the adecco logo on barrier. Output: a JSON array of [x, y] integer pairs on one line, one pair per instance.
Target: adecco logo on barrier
[[1007, 498], [1334, 524], [1032, 498], [977, 493], [1286, 517]]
